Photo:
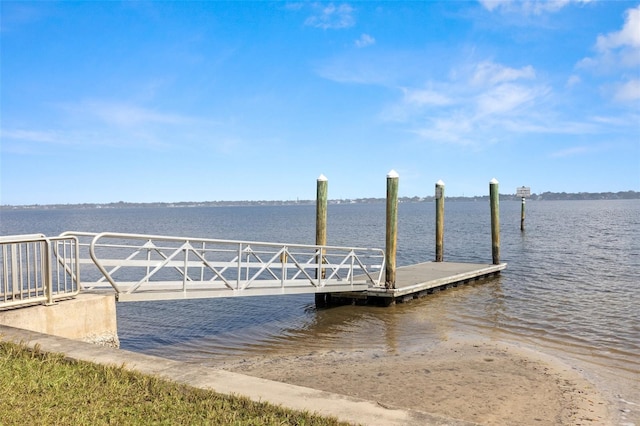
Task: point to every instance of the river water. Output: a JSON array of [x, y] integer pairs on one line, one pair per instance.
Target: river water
[[572, 285]]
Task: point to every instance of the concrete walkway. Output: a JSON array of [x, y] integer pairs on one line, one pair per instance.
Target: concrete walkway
[[344, 408]]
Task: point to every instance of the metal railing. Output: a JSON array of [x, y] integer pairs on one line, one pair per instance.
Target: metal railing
[[35, 269], [153, 267]]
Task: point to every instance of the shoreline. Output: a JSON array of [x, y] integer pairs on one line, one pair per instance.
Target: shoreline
[[471, 379]]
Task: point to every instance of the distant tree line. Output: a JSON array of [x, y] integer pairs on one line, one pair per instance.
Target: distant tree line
[[621, 195], [545, 196]]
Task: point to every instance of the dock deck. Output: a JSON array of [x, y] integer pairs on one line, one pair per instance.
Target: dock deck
[[413, 281]]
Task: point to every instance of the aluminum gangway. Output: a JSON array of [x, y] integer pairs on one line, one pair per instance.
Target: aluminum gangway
[[154, 267]]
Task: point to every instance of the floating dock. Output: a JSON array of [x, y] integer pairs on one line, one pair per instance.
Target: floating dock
[[415, 281]]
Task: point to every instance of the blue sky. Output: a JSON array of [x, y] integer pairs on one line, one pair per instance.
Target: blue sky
[[200, 101]]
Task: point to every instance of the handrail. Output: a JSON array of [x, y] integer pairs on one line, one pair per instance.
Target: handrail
[[147, 267], [36, 269]]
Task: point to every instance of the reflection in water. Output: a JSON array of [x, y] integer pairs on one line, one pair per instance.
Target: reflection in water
[[393, 330]]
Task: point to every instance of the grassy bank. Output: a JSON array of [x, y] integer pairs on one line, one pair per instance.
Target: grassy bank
[[43, 388]]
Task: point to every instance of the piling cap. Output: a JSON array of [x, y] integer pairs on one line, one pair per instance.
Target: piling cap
[[493, 181], [322, 178], [440, 183], [393, 174]]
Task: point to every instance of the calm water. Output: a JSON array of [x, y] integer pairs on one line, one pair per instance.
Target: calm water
[[572, 284]]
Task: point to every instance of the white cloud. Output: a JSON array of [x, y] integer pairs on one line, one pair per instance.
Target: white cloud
[[121, 114], [490, 73], [331, 16], [506, 98], [115, 124], [527, 7], [414, 103], [359, 69], [573, 80], [629, 35], [490, 5], [458, 129], [628, 92], [617, 121], [617, 49], [616, 53], [365, 40], [570, 152], [29, 135], [294, 6], [480, 104], [420, 97]]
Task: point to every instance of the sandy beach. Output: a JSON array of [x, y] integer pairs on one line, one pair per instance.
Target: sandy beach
[[482, 381]]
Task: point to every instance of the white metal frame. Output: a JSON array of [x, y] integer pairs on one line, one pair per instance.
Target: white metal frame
[[156, 267], [35, 269]]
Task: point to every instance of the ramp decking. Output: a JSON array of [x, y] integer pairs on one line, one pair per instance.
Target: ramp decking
[[417, 280]]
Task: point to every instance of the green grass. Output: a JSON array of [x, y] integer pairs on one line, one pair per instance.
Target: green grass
[[44, 388]]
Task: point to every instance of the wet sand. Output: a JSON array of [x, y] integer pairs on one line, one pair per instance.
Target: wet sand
[[482, 381]]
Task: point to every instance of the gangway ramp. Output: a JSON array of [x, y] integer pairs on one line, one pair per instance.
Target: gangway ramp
[[142, 267]]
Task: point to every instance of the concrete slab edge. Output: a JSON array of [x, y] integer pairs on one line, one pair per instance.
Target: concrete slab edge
[[345, 408]]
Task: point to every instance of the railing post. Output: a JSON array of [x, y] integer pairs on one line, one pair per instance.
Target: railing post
[[321, 232], [47, 271], [495, 220], [391, 229], [16, 271], [185, 271], [239, 273], [439, 221]]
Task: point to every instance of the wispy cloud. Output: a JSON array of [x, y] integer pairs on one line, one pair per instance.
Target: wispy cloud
[[471, 108], [421, 97], [488, 72], [357, 70], [573, 80], [17, 14], [330, 16], [628, 91], [458, 129], [506, 99], [618, 121], [527, 7], [128, 115], [113, 124], [365, 40], [570, 152], [29, 135], [491, 5]]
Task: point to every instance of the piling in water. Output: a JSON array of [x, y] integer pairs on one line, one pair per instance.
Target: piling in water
[[321, 210], [391, 229], [522, 215], [439, 221], [495, 221], [322, 299]]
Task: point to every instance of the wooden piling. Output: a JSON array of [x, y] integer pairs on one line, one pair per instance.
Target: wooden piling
[[321, 210], [495, 220], [522, 215], [439, 196], [321, 230], [391, 229]]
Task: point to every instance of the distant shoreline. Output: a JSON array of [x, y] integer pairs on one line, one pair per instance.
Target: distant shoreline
[[545, 196]]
